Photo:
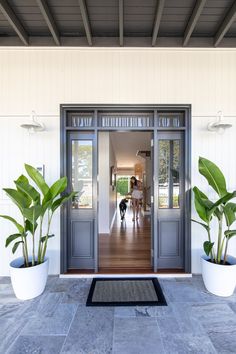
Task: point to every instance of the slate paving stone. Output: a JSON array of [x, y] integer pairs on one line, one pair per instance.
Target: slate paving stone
[[168, 325], [9, 331], [57, 324], [77, 293], [224, 343], [194, 321], [91, 331], [5, 280], [136, 336], [37, 345], [48, 303], [187, 343]]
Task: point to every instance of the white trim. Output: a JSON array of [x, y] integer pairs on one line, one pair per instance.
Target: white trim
[[113, 220], [152, 275], [118, 49]]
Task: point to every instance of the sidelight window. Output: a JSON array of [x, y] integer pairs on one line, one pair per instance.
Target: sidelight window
[[82, 172], [168, 174]]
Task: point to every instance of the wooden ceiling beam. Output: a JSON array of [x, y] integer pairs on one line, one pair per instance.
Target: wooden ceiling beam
[[14, 21], [46, 13], [157, 22], [121, 22], [193, 20], [85, 18], [225, 25]]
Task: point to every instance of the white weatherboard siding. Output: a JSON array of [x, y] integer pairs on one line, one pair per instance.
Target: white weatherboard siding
[[41, 79]]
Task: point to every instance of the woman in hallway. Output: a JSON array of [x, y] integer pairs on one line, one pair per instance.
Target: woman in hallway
[[137, 195]]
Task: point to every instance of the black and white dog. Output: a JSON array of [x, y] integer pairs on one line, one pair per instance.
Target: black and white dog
[[123, 208]]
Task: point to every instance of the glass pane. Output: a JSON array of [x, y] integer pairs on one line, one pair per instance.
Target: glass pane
[[82, 173], [175, 173], [171, 120], [163, 180]]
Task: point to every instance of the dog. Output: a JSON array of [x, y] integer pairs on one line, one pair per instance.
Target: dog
[[123, 208]]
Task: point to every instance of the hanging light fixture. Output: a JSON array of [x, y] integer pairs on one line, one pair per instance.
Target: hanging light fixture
[[220, 125], [33, 125]]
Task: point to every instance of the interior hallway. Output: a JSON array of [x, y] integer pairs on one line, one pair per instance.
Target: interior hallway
[[128, 247]]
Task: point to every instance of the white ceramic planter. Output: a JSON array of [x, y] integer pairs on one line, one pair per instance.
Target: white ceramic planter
[[29, 282], [219, 279]]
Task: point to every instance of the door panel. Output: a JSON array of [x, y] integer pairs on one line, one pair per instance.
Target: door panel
[[170, 166], [81, 221]]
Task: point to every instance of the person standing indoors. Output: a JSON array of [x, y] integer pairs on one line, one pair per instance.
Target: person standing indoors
[[136, 195]]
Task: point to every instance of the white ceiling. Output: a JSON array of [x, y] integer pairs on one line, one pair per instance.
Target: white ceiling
[[126, 145]]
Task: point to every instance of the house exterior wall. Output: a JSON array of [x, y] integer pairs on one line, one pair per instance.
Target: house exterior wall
[[41, 79]]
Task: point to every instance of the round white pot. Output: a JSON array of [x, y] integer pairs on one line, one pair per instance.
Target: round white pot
[[219, 279], [29, 282]]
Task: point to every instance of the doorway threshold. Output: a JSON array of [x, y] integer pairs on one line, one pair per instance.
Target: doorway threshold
[[124, 273]]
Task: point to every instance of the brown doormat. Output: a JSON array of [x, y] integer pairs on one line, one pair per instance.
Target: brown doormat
[[125, 292]]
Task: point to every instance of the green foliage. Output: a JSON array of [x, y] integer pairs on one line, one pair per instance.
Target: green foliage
[[223, 210], [37, 208], [122, 185]]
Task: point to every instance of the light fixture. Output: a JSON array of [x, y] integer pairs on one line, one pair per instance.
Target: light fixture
[[33, 125], [220, 125]]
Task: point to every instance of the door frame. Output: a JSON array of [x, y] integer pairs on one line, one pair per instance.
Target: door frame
[[66, 109]]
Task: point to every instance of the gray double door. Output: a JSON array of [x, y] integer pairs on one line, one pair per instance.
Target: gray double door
[[167, 201]]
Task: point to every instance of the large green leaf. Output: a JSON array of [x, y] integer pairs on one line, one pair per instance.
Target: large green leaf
[[230, 233], [213, 175], [32, 213], [58, 187], [16, 245], [207, 245], [29, 190], [62, 200], [229, 212], [18, 198], [201, 205], [38, 179], [203, 225], [44, 238], [12, 238], [18, 226], [30, 227]]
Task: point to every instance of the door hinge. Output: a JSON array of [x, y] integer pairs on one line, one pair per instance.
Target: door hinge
[[152, 142], [152, 199]]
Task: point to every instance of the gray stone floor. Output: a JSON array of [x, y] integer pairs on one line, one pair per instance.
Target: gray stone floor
[[59, 322]]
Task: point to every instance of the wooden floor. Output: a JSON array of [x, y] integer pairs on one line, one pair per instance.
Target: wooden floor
[[128, 247]]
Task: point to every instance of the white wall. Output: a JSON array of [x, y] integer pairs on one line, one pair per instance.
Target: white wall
[[112, 192], [104, 183], [41, 79], [107, 196]]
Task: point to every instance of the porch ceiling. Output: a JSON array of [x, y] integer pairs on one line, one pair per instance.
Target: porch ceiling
[[111, 23]]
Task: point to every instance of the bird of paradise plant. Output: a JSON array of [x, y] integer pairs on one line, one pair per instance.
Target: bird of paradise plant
[[223, 209], [37, 207]]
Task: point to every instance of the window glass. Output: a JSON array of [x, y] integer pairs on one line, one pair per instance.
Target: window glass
[[164, 163], [82, 173], [169, 167]]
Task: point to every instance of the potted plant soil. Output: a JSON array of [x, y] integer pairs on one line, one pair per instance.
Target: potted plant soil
[[36, 204], [218, 268]]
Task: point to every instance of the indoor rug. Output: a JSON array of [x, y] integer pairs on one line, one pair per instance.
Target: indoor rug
[[125, 292]]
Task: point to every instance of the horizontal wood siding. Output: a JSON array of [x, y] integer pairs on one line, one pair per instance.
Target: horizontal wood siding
[[42, 79]]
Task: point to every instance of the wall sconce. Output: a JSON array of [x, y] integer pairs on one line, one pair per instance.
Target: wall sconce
[[220, 125], [33, 125]]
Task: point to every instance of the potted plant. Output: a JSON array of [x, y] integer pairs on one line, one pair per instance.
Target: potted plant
[[36, 209], [218, 268]]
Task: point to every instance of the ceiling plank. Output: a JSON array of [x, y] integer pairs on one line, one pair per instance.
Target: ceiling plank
[[225, 25], [121, 22], [193, 20], [85, 18], [14, 21], [45, 11], [159, 11]]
